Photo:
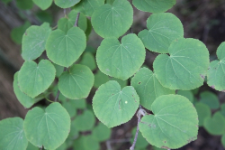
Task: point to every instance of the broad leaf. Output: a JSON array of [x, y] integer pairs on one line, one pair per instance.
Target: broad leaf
[[185, 67], [188, 94], [174, 123], [66, 3], [69, 106], [59, 70], [49, 127], [162, 30], [86, 143], [12, 135], [88, 60], [17, 33], [148, 87], [89, 6], [154, 6], [85, 121], [203, 112], [101, 132], [77, 82], [216, 73], [43, 4], [34, 40], [112, 20], [33, 79], [120, 60], [210, 99], [114, 106], [65, 48]]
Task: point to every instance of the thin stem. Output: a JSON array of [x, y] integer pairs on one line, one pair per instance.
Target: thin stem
[[57, 95], [77, 19]]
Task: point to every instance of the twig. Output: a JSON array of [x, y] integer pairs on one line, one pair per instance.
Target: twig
[[77, 19], [57, 95]]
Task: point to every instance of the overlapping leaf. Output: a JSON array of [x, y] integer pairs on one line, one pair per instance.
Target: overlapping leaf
[[203, 112], [43, 4], [66, 3], [210, 99], [101, 132]]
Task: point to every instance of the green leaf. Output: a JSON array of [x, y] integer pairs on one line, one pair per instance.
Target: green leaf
[[64, 49], [215, 125], [77, 82], [62, 147], [86, 143], [85, 121], [44, 16], [67, 23], [89, 6], [34, 40], [114, 106], [174, 123], [69, 106], [31, 147], [12, 135], [141, 141], [113, 20], [148, 87], [88, 60], [120, 60], [24, 4], [33, 79], [222, 111], [185, 68], [162, 30], [101, 132], [17, 33], [210, 99], [43, 4], [66, 3], [59, 70], [203, 112], [74, 133], [215, 75], [49, 127], [223, 140], [154, 6], [89, 29], [188, 94]]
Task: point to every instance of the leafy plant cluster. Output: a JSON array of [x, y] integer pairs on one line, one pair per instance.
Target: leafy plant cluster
[[168, 115]]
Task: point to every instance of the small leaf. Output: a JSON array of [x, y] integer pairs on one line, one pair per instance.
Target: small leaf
[[154, 6], [174, 123], [59, 70], [77, 82], [112, 20], [203, 112], [32, 147], [210, 99], [66, 4], [86, 143], [12, 135], [43, 4], [188, 94], [33, 79], [88, 60], [101, 132], [85, 121], [64, 49], [148, 87], [44, 16], [69, 106], [114, 106], [24, 4], [34, 40], [215, 75], [17, 33], [41, 125], [141, 141], [222, 109], [185, 68], [120, 60], [162, 30]]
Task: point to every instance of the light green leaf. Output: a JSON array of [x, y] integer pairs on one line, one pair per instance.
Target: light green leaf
[[77, 82], [67, 23], [154, 6], [114, 106], [188, 94], [113, 20], [148, 87], [203, 112], [62, 147], [66, 3], [120, 60], [12, 135], [222, 109], [210, 99], [41, 125], [88, 60], [185, 67], [33, 79], [32, 147], [64, 49], [141, 141], [74, 133], [89, 6], [34, 40], [85, 121], [43, 4], [174, 123], [215, 125], [59, 70], [216, 73], [24, 4], [69, 106], [86, 143], [101, 132], [162, 30], [223, 140], [17, 33]]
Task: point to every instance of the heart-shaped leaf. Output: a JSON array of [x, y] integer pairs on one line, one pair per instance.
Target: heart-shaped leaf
[[12, 135], [17, 33], [174, 123], [33, 79], [148, 87], [114, 106], [162, 30], [66, 3], [186, 66], [43, 4], [203, 112], [121, 60], [88, 60], [64, 49], [210, 99], [77, 82], [34, 40], [101, 132], [112, 20], [188, 94], [41, 125]]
